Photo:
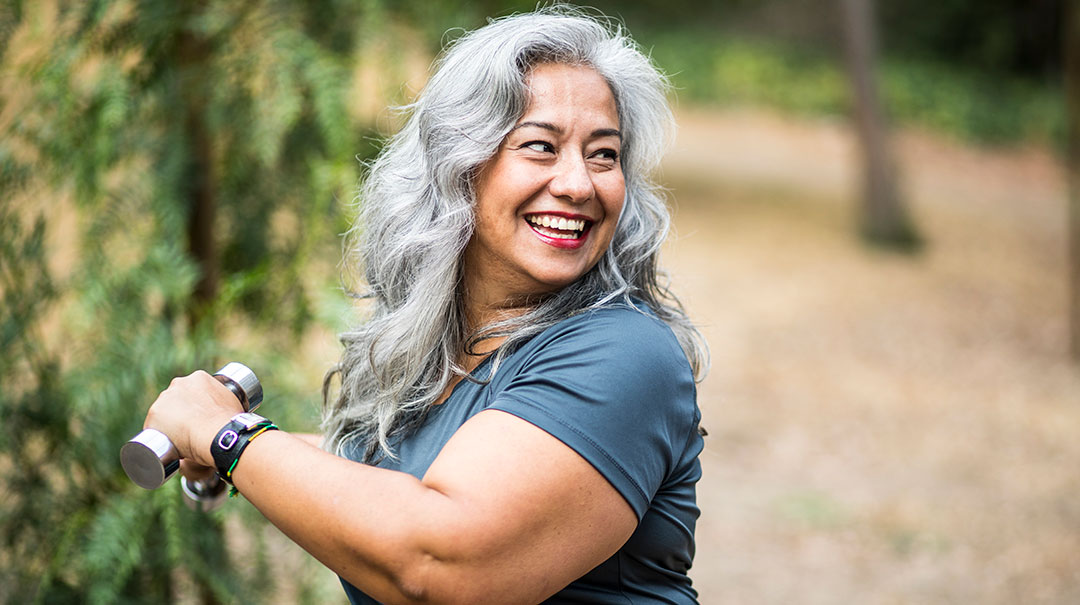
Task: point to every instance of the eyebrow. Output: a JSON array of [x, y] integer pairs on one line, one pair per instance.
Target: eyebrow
[[599, 132]]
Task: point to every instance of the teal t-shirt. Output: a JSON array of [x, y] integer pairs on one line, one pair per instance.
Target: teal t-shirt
[[614, 385]]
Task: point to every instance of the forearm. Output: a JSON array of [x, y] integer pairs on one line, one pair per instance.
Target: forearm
[[369, 525], [312, 438]]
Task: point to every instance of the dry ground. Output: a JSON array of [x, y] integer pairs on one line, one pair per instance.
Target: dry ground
[[883, 428]]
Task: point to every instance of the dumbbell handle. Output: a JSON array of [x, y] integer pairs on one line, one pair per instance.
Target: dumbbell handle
[[150, 458], [203, 495]]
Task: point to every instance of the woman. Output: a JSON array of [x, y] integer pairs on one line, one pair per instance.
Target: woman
[[517, 418]]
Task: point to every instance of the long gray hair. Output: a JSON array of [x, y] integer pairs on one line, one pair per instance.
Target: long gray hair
[[416, 219]]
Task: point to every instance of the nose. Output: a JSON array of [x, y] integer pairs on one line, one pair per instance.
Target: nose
[[572, 181]]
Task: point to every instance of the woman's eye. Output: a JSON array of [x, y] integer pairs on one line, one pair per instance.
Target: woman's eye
[[540, 146], [609, 155]]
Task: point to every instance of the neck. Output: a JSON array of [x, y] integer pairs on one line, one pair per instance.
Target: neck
[[478, 317], [487, 301], [481, 312]]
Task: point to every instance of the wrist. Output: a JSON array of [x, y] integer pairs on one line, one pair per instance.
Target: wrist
[[233, 438], [204, 439]]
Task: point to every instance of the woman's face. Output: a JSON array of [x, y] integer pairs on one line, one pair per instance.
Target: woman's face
[[548, 201]]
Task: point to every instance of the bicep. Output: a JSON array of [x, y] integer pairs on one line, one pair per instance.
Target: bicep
[[533, 515]]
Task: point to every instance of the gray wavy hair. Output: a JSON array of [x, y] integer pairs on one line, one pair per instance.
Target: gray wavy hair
[[416, 218]]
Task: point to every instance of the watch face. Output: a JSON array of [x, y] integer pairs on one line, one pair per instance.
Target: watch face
[[248, 419], [228, 439]]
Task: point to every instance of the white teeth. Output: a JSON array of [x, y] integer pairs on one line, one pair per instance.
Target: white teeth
[[558, 222], [560, 227]]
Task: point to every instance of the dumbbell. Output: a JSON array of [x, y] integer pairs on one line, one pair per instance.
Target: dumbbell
[[204, 495], [150, 458]]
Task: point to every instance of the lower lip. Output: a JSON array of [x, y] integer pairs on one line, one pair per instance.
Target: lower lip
[[566, 244]]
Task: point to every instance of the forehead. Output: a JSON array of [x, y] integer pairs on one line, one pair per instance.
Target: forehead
[[570, 94]]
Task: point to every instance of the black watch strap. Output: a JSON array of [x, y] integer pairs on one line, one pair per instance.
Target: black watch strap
[[233, 438]]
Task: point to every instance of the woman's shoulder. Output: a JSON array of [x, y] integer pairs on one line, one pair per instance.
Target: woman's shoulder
[[617, 347], [630, 326], [614, 385]]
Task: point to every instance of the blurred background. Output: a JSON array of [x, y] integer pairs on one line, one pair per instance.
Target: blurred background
[[871, 229]]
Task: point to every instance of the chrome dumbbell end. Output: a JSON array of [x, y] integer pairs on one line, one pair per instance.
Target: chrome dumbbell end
[[242, 382], [150, 458]]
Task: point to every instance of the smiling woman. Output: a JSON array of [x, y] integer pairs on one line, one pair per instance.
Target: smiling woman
[[517, 418]]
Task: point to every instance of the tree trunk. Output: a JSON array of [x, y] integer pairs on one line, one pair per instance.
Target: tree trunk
[[1072, 113], [883, 218], [193, 55], [202, 204]]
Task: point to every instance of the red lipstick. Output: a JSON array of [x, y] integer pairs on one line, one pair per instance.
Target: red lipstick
[[567, 243]]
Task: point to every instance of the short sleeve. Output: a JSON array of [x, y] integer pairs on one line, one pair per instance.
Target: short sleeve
[[614, 386]]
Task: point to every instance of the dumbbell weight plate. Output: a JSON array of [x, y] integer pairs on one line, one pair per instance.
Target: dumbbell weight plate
[[150, 458]]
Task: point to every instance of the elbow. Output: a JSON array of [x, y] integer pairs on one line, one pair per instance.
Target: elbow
[[460, 572], [411, 589], [434, 559], [423, 577], [429, 580]]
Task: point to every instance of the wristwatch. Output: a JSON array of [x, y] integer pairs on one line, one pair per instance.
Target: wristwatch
[[233, 438]]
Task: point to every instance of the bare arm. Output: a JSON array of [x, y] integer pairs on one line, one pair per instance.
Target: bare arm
[[311, 438], [506, 513]]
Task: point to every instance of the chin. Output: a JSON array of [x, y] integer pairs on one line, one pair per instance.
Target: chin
[[557, 281]]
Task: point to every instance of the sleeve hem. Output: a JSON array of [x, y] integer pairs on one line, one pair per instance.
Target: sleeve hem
[[588, 449]]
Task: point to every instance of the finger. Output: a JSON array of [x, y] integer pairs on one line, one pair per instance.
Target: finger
[[196, 472]]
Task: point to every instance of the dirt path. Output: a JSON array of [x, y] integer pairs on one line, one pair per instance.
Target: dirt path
[[884, 429]]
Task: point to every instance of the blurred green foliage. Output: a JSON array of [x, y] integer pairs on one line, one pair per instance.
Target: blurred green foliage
[[1013, 38], [118, 117], [955, 100], [985, 72]]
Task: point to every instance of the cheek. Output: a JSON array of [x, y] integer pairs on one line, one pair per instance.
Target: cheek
[[488, 208], [615, 199]]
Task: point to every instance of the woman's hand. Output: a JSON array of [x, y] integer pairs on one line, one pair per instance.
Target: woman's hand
[[191, 412], [193, 471]]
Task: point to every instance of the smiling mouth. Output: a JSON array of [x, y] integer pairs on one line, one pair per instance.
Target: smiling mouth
[[559, 227]]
